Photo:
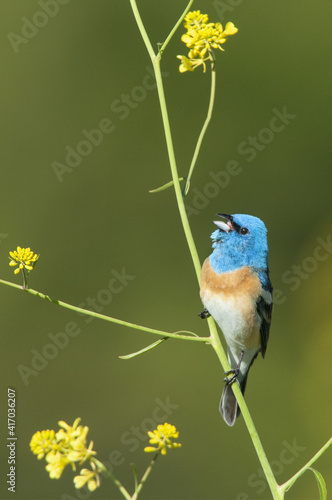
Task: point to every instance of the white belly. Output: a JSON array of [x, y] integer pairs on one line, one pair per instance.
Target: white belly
[[237, 318]]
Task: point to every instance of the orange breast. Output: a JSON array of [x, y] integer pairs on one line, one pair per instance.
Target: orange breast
[[239, 282]]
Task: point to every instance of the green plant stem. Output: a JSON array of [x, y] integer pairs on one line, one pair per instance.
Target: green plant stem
[[164, 45], [104, 317], [145, 476], [288, 484], [155, 58], [215, 340], [213, 330], [101, 467], [216, 343], [164, 186], [204, 128], [174, 171], [144, 34]]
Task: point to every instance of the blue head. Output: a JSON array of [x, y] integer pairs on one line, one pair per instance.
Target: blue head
[[240, 240]]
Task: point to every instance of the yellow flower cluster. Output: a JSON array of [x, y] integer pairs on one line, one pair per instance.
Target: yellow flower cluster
[[201, 38], [24, 258], [162, 437], [67, 446]]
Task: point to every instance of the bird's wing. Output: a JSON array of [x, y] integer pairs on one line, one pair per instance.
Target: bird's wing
[[264, 309]]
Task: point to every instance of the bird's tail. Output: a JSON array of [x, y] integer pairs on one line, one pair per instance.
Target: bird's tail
[[229, 409]]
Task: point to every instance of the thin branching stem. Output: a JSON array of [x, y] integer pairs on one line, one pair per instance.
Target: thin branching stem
[[287, 485], [204, 128], [106, 318], [144, 477], [117, 483], [168, 39], [216, 343]]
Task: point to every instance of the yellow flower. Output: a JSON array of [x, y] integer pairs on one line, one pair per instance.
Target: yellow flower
[[186, 64], [89, 477], [201, 37], [56, 464], [162, 437], [195, 19], [42, 442], [191, 64], [74, 437], [67, 446], [24, 258], [230, 29]]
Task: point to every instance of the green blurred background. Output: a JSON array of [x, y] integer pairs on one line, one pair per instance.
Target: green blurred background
[[73, 72]]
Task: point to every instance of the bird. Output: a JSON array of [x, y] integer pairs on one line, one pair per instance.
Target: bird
[[237, 292]]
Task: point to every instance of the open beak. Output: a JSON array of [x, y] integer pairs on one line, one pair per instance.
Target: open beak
[[224, 226]]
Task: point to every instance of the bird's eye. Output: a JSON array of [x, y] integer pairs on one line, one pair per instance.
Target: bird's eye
[[244, 230]]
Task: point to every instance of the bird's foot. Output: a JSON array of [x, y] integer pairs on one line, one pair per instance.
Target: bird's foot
[[204, 314], [234, 372], [231, 380]]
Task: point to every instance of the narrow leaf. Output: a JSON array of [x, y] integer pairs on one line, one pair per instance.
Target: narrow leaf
[[165, 186], [145, 349], [321, 484], [135, 476], [186, 188]]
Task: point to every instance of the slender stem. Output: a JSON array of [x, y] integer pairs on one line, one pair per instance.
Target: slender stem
[[145, 476], [216, 343], [25, 282], [204, 128], [156, 65], [142, 29], [174, 171], [164, 186], [215, 340], [287, 485], [104, 317], [102, 467], [164, 45]]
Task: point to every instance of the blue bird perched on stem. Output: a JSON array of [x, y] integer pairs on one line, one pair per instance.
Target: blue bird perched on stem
[[236, 291]]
